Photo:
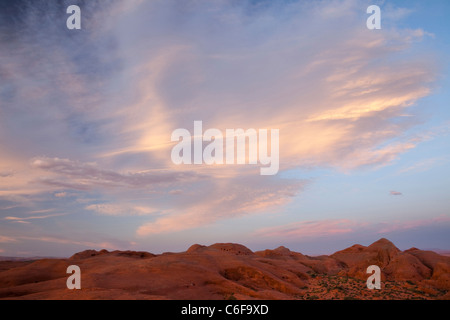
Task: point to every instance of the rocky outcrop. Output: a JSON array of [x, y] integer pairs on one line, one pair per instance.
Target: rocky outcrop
[[230, 270]]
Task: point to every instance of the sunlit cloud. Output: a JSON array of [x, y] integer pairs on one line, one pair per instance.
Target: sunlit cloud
[[41, 211]]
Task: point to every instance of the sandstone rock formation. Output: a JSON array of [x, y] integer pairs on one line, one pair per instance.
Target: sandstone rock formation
[[232, 271]]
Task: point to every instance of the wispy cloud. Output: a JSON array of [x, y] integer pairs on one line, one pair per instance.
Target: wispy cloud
[[24, 219], [315, 229], [6, 174], [5, 239], [60, 194], [88, 174], [395, 193], [222, 199], [89, 244], [114, 244], [422, 165], [121, 209], [310, 229], [407, 225], [42, 211]]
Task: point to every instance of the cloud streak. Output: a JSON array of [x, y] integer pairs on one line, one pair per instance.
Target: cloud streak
[[117, 210], [5, 239], [225, 198], [24, 219], [85, 175], [310, 229], [65, 241], [316, 229], [408, 225]]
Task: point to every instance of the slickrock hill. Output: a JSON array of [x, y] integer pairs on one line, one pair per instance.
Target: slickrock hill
[[412, 264], [232, 271]]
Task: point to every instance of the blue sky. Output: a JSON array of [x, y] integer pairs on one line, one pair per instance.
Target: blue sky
[[86, 118]]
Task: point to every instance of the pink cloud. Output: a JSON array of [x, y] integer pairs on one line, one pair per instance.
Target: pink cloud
[[414, 224], [113, 244], [60, 194], [334, 227], [88, 175], [120, 209], [23, 219], [6, 174], [88, 244], [5, 239], [311, 229]]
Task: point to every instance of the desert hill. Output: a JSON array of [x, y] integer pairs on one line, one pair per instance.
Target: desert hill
[[232, 271]]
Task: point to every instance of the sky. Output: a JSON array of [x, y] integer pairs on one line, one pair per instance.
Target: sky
[[86, 118]]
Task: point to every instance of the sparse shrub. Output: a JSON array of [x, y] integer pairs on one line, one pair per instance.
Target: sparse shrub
[[231, 297]]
